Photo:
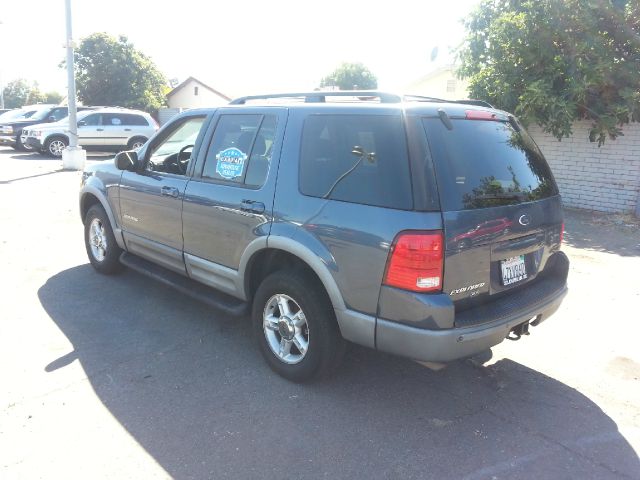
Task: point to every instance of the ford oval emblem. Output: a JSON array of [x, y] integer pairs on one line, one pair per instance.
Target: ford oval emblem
[[524, 220]]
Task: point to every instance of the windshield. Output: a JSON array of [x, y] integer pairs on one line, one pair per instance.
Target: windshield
[[40, 113], [486, 164], [16, 114]]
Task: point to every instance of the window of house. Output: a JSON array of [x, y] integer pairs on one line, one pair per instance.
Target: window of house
[[195, 91]]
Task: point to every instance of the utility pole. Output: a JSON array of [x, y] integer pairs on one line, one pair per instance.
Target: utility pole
[[73, 157], [1, 83]]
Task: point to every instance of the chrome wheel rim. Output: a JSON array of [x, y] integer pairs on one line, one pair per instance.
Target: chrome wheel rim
[[285, 328], [98, 239], [56, 147]]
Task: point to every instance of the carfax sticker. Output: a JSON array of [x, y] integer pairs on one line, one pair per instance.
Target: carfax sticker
[[230, 163]]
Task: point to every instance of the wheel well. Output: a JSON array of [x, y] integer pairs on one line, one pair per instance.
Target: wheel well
[[88, 201], [137, 137], [57, 135], [271, 260]]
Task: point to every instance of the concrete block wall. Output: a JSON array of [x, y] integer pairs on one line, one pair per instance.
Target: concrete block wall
[[606, 179]]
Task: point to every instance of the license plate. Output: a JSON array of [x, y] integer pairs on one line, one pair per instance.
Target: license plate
[[513, 270]]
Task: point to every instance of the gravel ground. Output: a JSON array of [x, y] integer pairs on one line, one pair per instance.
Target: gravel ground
[[120, 377]]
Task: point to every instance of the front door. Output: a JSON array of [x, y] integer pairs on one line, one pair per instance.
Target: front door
[[229, 202], [90, 131], [151, 199]]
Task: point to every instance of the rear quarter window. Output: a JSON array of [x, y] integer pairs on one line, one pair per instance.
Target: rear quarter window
[[485, 164], [356, 158]]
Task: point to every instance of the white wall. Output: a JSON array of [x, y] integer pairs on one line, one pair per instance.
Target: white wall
[[436, 86], [186, 98], [605, 178]]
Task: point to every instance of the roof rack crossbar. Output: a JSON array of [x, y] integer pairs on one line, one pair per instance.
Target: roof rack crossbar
[[320, 96]]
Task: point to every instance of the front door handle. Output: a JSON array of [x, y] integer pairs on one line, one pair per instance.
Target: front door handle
[[100, 129], [127, 129], [170, 192], [252, 206]]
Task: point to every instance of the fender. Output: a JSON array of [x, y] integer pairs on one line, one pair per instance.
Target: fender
[[90, 188]]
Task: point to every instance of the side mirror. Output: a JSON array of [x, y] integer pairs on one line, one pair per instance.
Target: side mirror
[[127, 161], [51, 119], [81, 123]]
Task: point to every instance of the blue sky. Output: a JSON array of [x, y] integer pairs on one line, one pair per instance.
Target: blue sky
[[242, 47]]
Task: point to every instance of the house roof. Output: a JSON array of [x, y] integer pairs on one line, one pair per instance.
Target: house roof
[[182, 85]]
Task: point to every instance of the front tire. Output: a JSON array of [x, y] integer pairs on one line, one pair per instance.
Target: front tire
[[20, 146], [54, 146], [100, 242], [295, 326]]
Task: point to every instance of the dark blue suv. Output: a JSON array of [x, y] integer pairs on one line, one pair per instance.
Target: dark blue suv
[[416, 226]]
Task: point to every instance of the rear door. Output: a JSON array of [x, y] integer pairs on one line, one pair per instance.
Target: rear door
[[229, 202], [115, 128], [501, 208]]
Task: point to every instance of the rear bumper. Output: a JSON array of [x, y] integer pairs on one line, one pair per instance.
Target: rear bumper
[[454, 343], [428, 327]]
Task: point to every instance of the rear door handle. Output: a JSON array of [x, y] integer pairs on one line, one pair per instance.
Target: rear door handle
[[252, 206], [100, 129], [170, 192], [127, 129]]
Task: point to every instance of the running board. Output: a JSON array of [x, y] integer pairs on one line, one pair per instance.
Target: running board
[[218, 300]]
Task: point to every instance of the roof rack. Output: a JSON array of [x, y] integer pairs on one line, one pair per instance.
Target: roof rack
[[384, 97], [320, 96]]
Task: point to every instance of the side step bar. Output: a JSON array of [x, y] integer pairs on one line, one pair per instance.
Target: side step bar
[[218, 300]]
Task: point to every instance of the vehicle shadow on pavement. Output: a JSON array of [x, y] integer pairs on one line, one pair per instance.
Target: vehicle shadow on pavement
[[190, 386], [41, 157]]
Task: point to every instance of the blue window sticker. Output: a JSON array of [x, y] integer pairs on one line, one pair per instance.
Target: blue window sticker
[[230, 163]]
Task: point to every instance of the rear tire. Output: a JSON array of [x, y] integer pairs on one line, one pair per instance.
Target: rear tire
[[102, 249], [295, 326], [136, 142]]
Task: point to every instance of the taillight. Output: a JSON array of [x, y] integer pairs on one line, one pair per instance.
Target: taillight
[[415, 262]]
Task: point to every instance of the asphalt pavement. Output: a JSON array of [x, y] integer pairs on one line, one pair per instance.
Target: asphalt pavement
[[121, 377]]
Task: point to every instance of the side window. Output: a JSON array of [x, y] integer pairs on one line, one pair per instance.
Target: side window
[[134, 120], [91, 120], [356, 158], [240, 150], [172, 153], [113, 119], [59, 113]]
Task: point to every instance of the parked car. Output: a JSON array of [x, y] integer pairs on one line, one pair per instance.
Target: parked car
[[333, 221], [11, 129], [103, 129]]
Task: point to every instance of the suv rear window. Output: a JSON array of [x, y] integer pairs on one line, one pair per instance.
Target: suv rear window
[[356, 158], [485, 164]]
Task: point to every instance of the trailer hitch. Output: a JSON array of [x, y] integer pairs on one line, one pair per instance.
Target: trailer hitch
[[519, 330]]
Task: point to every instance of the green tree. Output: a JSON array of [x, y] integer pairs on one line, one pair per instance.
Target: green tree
[[556, 61], [111, 71], [351, 76], [53, 97], [35, 95], [16, 93]]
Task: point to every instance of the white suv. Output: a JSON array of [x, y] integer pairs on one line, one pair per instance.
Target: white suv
[[103, 129]]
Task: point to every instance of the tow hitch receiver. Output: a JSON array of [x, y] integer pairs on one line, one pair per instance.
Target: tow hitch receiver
[[519, 330]]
